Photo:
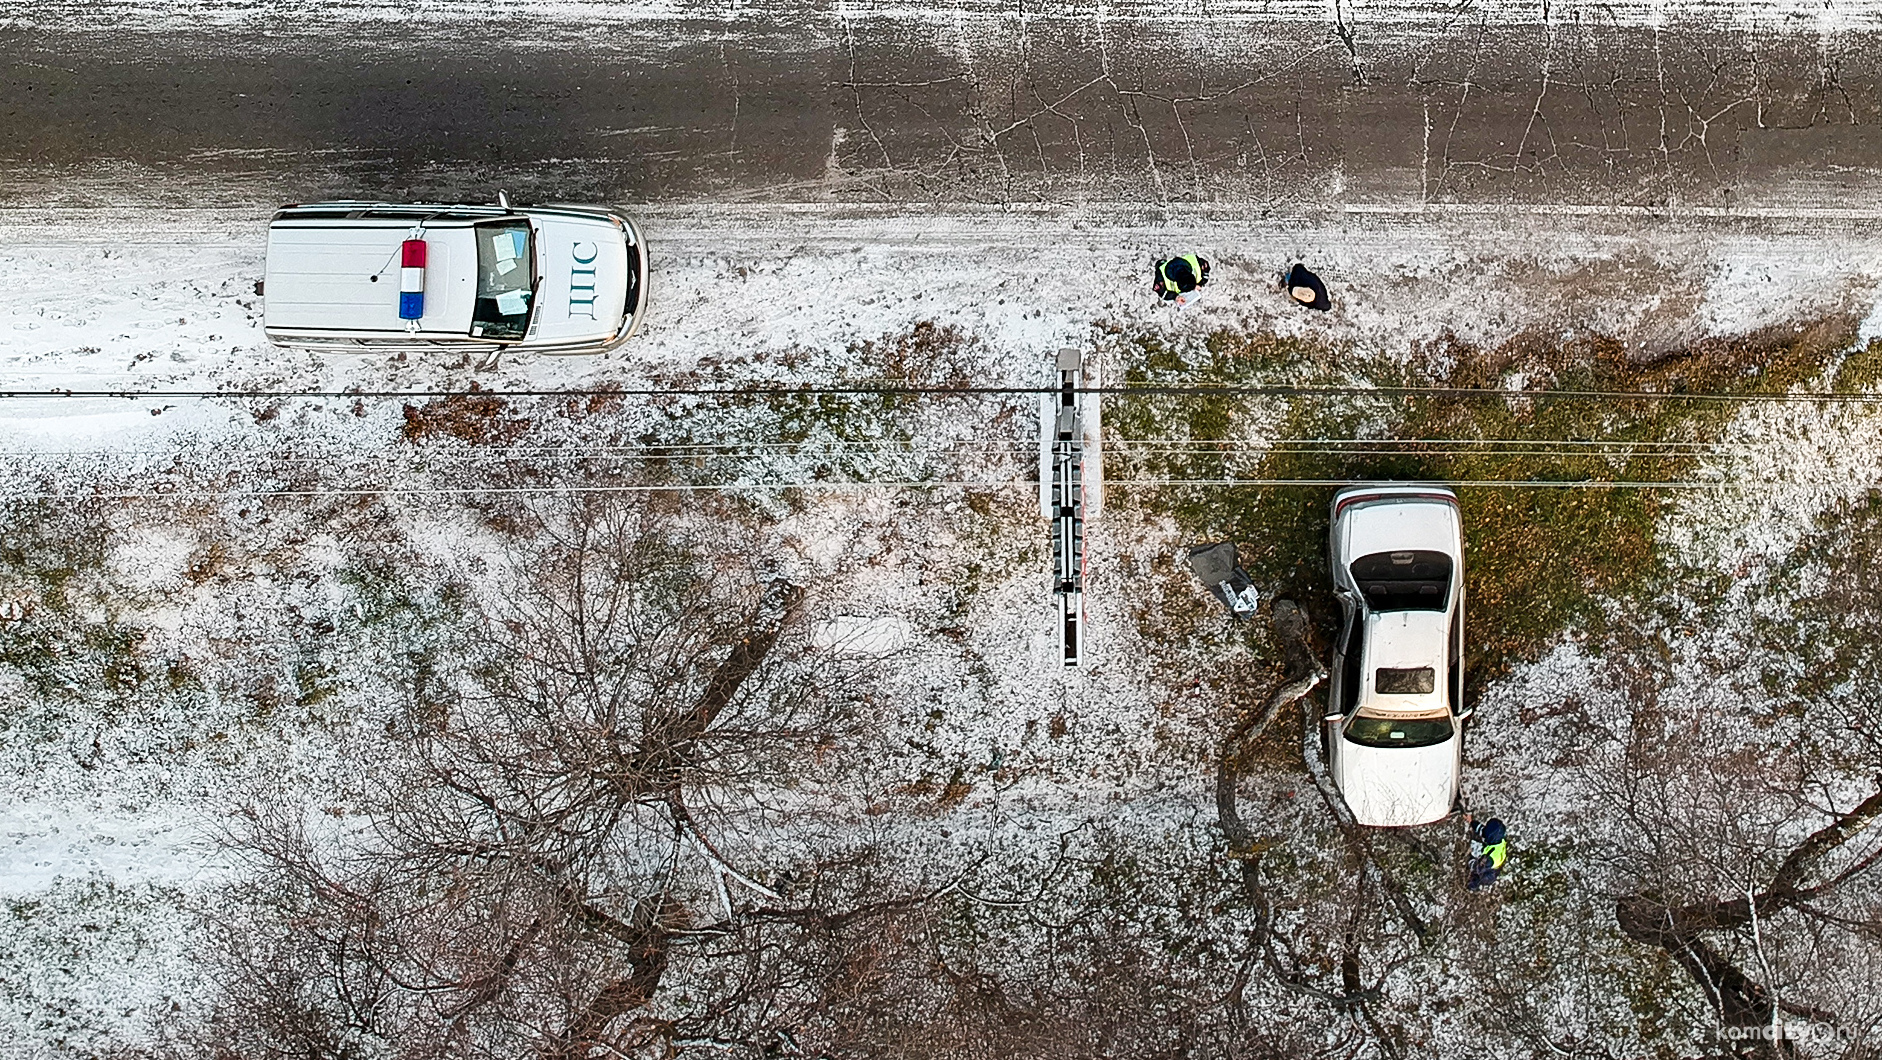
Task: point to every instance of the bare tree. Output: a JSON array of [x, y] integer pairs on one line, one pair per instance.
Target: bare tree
[[1378, 897], [591, 847], [523, 884], [1773, 925], [1797, 889]]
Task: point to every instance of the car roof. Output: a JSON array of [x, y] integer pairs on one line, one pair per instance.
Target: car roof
[[1406, 640], [321, 277], [1397, 518]]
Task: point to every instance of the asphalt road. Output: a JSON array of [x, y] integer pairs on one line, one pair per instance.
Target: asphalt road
[[1260, 106]]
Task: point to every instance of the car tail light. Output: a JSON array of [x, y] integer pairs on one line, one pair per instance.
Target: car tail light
[[1361, 498], [412, 279]]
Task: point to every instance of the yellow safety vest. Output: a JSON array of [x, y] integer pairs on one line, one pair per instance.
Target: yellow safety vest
[[1498, 853], [1195, 270]]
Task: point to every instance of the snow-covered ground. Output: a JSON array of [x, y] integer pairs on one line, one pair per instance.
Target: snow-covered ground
[[108, 820], [106, 300]]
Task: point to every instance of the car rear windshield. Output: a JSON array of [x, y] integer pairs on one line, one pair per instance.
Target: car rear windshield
[[1409, 681], [1390, 732], [506, 280], [1404, 581]]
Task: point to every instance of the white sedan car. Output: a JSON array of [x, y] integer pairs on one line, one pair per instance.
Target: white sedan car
[[1395, 719], [363, 276]]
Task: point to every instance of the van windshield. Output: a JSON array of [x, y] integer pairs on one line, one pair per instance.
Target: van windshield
[[506, 280], [1394, 732]]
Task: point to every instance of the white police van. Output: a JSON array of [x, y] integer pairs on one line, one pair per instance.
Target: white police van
[[367, 276]]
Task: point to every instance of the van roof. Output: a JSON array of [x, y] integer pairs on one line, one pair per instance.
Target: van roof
[[324, 277]]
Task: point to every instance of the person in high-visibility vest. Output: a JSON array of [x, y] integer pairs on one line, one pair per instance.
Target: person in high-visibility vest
[[1489, 850], [1178, 276]]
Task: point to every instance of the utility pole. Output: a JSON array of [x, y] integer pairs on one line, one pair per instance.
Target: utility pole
[[1062, 499]]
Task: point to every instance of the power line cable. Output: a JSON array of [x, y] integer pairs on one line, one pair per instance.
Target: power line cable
[[1194, 390], [932, 484], [1122, 446]]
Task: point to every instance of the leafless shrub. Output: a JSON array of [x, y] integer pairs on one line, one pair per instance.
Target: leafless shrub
[[479, 419], [555, 836]]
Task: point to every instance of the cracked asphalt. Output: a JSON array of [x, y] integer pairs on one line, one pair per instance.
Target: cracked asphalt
[[791, 102]]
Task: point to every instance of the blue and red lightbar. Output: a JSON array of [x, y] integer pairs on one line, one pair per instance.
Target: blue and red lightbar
[[412, 279]]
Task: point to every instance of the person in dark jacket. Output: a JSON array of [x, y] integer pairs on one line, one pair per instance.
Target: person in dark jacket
[[1178, 276], [1489, 850], [1306, 288]]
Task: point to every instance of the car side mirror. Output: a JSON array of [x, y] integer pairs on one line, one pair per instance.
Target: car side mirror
[[1334, 717], [1467, 715], [503, 199]]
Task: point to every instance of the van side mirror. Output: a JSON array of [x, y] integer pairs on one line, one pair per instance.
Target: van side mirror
[[1467, 715], [503, 199], [1334, 717]]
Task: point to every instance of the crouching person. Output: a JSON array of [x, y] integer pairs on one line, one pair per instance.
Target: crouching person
[[1178, 276], [1489, 849]]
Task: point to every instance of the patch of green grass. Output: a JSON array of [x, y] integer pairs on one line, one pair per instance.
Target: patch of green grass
[[1541, 873], [51, 545], [383, 597], [1539, 560], [60, 656], [314, 683], [926, 355], [1003, 541], [70, 642], [847, 436], [841, 417], [1861, 370]]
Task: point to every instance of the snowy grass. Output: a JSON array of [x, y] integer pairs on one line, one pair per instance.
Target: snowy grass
[[94, 967], [1541, 560], [166, 662]]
